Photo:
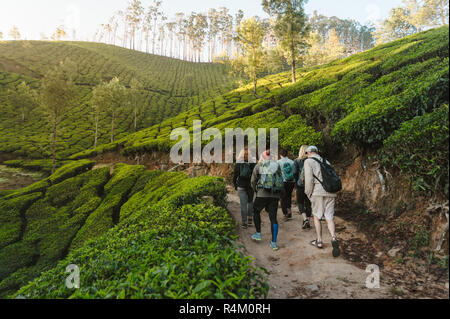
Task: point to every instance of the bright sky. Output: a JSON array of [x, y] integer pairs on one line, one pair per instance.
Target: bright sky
[[35, 16]]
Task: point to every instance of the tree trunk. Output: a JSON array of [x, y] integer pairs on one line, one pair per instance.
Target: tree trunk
[[112, 127], [96, 132], [294, 79], [54, 147], [135, 114]]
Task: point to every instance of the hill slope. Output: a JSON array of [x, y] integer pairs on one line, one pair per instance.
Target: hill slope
[[360, 101], [156, 217], [170, 87]]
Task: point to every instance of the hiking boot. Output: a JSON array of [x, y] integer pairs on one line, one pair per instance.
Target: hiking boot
[[336, 249], [274, 246], [306, 224], [257, 237]]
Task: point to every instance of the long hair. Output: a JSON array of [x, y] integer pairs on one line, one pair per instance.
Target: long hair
[[302, 152], [243, 156]]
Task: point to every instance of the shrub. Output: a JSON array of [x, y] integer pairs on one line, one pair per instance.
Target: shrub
[[420, 148], [71, 170], [294, 132]]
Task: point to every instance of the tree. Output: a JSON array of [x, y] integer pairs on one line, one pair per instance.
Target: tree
[[154, 13], [109, 96], [322, 52], [250, 34], [412, 17], [14, 33], [57, 97], [23, 99], [133, 17], [135, 92], [59, 34], [291, 28]]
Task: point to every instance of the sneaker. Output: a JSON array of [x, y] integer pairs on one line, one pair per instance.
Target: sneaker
[[336, 249], [244, 226], [306, 224], [257, 237], [287, 217], [250, 221], [274, 246]]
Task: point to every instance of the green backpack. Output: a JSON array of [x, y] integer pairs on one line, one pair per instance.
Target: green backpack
[[271, 177]]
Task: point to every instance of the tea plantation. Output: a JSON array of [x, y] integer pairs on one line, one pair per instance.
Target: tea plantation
[[364, 100], [170, 87], [133, 233]]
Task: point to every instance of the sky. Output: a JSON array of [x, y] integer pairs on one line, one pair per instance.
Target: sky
[[35, 16]]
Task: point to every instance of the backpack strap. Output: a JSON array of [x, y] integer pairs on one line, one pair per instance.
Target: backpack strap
[[318, 161]]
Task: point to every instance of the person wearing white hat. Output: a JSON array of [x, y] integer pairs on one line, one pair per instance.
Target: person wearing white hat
[[322, 202]]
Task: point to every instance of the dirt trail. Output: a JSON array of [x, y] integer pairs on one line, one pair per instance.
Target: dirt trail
[[299, 270]]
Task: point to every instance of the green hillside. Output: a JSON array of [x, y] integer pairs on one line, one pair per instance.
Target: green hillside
[[146, 234], [170, 86], [159, 215], [361, 100]]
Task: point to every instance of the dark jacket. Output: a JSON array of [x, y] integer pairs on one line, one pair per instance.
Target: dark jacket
[[299, 164], [240, 182]]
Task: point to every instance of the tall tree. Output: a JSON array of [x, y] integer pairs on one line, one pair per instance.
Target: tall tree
[[14, 33], [291, 27], [213, 30], [23, 98], [115, 97], [155, 12], [250, 34], [57, 97], [133, 17]]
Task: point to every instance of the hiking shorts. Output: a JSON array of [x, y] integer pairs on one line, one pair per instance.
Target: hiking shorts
[[323, 206]]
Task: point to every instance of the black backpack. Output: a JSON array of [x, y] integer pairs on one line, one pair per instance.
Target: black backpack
[[245, 171], [331, 182]]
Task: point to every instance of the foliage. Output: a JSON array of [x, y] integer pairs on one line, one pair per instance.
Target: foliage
[[420, 149], [250, 34], [294, 132], [291, 28], [166, 253], [413, 16]]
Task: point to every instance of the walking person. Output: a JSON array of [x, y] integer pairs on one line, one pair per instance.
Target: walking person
[[242, 175], [320, 175], [303, 202], [288, 173], [267, 181]]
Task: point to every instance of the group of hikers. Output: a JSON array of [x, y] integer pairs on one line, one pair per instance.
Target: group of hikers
[[264, 184]]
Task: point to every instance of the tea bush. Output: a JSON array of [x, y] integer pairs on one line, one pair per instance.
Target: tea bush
[[420, 149]]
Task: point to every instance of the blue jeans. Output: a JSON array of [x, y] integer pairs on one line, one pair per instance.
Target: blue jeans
[[246, 199]]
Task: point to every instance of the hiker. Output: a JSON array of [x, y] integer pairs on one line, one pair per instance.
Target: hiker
[[288, 172], [304, 205], [322, 201], [243, 171], [268, 184]]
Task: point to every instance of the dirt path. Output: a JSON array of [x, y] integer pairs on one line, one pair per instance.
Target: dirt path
[[299, 270]]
